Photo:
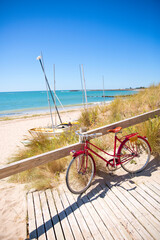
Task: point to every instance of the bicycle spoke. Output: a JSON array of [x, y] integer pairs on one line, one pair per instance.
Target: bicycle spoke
[[80, 173], [135, 155]]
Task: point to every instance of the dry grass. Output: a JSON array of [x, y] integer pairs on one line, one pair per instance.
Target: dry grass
[[144, 101], [46, 175], [89, 117]]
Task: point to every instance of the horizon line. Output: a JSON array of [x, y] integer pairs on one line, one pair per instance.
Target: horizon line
[[72, 90]]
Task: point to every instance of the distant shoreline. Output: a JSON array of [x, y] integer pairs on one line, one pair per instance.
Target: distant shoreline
[[79, 90], [123, 89], [38, 112]]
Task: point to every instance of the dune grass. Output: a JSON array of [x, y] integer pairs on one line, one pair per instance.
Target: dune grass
[[48, 175], [89, 116]]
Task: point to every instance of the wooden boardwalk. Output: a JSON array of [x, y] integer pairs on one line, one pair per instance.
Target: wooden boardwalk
[[123, 210]]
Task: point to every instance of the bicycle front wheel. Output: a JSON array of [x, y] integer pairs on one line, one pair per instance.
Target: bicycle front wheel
[[134, 155], [80, 173]]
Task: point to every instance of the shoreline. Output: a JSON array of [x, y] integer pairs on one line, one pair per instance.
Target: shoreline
[[15, 114]]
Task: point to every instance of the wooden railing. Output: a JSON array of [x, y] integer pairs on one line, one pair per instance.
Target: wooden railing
[[38, 160]]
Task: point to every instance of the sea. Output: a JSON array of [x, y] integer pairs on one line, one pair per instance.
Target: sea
[[35, 102]]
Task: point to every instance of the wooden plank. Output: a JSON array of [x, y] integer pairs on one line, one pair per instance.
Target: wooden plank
[[62, 215], [109, 227], [46, 215], [39, 217], [31, 217], [71, 218], [150, 192], [143, 226], [96, 233], [103, 221], [35, 161], [38, 160], [157, 178], [98, 220], [54, 215], [107, 216], [120, 212], [143, 207], [149, 198], [140, 197], [79, 217], [118, 200], [140, 213], [153, 188], [156, 184]]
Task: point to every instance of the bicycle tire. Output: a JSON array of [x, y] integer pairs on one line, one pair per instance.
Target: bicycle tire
[[78, 176], [137, 152]]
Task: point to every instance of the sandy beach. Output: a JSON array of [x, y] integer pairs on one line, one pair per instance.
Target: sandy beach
[[16, 130], [13, 196]]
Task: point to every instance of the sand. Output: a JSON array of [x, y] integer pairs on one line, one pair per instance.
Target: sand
[[13, 196], [13, 211]]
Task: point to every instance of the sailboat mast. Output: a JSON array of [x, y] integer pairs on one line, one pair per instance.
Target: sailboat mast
[[50, 107], [54, 90], [39, 58], [103, 89], [84, 86], [48, 98]]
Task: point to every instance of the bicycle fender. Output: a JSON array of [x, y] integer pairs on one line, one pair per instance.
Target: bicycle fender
[[127, 137]]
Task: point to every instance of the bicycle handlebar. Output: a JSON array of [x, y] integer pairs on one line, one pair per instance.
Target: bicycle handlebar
[[88, 135]]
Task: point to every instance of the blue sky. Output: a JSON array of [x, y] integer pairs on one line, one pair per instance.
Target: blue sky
[[119, 40]]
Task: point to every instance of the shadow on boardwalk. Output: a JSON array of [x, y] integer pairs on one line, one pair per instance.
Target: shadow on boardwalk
[[99, 188]]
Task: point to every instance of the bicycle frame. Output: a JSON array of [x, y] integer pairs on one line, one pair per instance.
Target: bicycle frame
[[115, 156]]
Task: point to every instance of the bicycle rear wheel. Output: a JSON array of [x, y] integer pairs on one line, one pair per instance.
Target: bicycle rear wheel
[[80, 173], [134, 155]]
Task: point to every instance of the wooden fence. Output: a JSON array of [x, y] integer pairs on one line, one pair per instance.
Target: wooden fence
[[38, 160]]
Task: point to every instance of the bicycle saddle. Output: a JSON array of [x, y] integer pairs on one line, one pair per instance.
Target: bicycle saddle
[[115, 130]]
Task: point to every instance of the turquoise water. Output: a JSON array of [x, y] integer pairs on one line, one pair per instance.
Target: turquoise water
[[12, 103]]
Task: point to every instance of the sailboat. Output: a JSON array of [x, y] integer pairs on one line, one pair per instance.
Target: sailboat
[[56, 129]]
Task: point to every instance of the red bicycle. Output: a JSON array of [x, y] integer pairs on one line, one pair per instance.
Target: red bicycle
[[133, 155]]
